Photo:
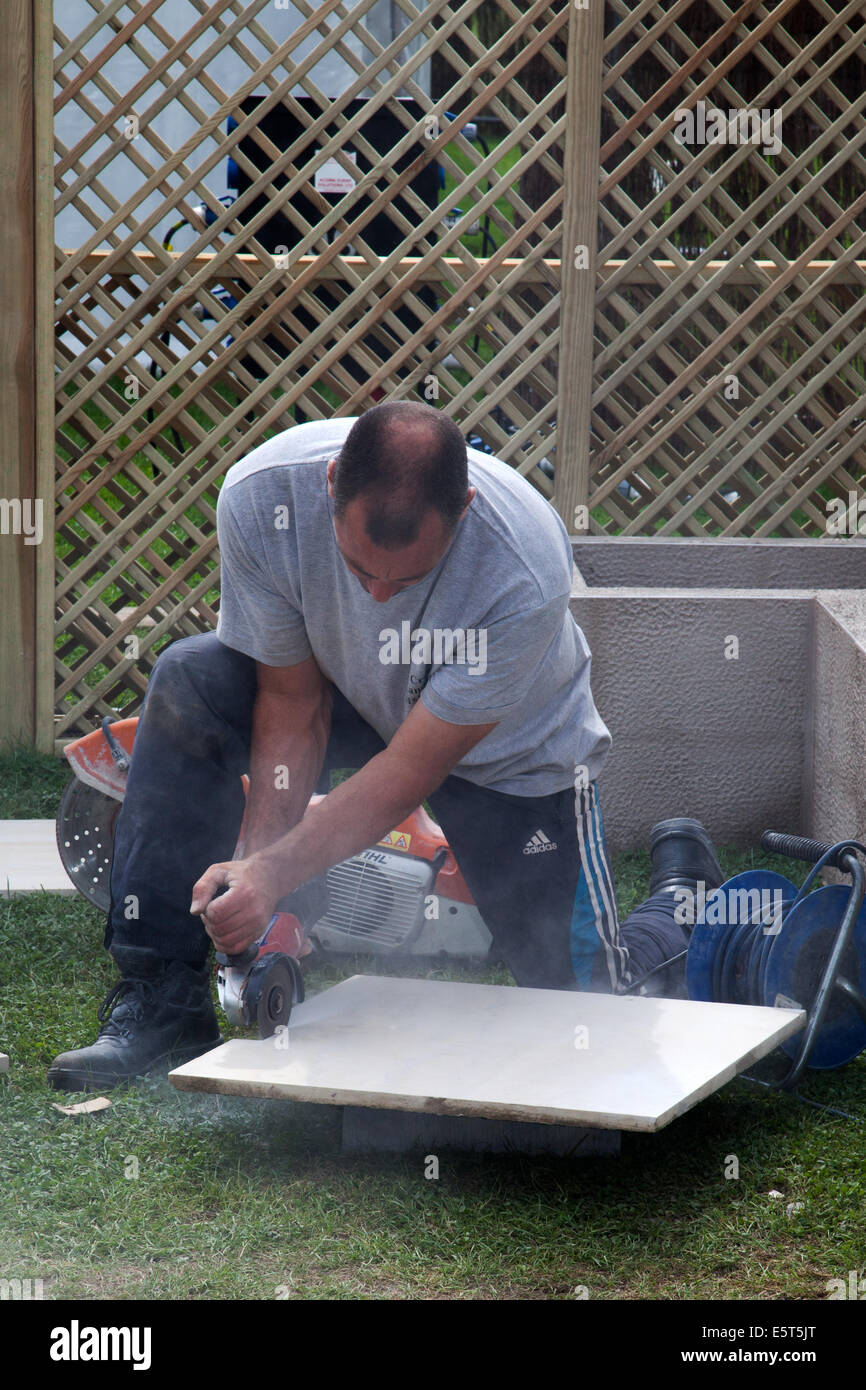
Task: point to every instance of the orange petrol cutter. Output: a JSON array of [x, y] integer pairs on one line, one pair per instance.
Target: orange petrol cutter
[[381, 901]]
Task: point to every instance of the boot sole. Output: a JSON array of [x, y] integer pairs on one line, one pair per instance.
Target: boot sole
[[61, 1080]]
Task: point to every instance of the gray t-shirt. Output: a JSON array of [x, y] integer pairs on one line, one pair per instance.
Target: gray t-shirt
[[486, 636]]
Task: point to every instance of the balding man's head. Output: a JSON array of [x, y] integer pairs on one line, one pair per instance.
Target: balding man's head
[[402, 460]]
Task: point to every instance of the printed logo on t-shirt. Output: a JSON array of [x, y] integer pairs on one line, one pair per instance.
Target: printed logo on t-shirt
[[416, 683], [539, 844]]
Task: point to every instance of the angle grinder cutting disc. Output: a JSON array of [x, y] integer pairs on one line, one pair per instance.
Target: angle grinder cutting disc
[[85, 840], [273, 986]]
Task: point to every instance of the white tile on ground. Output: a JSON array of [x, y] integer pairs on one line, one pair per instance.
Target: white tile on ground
[[4, 1062], [29, 858], [548, 1056]]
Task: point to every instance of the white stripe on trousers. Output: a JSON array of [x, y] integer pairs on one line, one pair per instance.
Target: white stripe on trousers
[[599, 882]]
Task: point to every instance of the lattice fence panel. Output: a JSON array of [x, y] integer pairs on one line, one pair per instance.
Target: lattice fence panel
[[195, 322], [283, 300], [729, 369]]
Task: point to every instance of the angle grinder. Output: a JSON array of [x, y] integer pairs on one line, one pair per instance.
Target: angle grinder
[[259, 986]]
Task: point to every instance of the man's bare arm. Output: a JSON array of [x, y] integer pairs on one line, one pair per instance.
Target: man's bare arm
[[365, 807], [291, 723], [353, 816]]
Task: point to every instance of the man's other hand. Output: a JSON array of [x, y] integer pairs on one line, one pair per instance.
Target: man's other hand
[[238, 916]]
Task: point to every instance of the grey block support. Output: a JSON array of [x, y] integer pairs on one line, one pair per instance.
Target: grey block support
[[399, 1131]]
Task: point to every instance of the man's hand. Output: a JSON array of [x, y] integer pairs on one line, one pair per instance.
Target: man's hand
[[236, 918]]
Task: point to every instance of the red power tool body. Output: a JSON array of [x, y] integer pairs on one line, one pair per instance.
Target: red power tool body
[[380, 901]]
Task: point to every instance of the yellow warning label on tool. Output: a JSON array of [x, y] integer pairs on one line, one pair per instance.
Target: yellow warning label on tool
[[397, 839]]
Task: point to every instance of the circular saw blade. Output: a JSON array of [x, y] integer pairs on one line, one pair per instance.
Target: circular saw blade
[[85, 840]]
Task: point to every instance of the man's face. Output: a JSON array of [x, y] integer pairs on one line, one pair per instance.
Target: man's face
[[383, 573]]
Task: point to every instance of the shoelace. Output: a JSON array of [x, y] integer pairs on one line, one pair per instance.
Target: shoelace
[[133, 984], [121, 988]]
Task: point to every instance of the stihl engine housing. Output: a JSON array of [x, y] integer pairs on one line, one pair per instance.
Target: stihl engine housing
[[405, 894]]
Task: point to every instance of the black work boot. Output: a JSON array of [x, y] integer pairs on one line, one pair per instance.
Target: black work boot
[[159, 1011], [682, 856]]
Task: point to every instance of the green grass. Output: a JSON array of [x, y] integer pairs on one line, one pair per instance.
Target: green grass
[[252, 1199], [31, 784]]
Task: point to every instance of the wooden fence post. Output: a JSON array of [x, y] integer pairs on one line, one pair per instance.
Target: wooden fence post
[[43, 164], [579, 246], [26, 506]]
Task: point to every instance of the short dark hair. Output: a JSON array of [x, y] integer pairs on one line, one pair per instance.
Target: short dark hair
[[403, 458]]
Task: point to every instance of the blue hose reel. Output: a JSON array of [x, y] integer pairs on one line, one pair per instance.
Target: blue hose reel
[[759, 940]]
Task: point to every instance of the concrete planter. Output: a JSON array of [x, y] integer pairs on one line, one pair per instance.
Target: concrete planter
[[732, 675]]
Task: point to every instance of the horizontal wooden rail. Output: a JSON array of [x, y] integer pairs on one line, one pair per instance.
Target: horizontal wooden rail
[[752, 273]]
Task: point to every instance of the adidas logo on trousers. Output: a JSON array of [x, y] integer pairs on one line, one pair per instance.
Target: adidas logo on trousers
[[539, 844]]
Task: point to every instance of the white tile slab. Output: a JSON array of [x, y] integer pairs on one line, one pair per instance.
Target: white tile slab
[[496, 1052], [29, 859]]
